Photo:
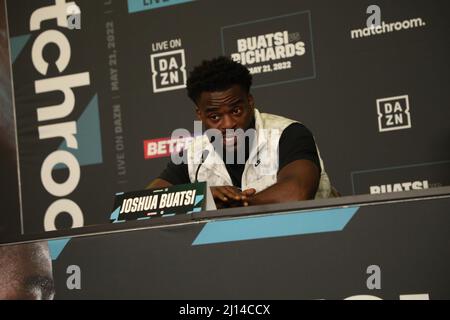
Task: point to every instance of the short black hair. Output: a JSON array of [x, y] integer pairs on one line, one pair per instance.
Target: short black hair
[[217, 74]]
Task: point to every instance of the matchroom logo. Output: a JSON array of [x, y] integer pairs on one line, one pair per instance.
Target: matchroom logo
[[393, 113], [276, 50], [168, 67], [389, 27]]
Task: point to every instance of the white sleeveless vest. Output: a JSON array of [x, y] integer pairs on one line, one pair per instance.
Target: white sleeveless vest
[[261, 168]]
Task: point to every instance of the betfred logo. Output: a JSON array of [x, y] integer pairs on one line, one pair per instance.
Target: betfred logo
[[164, 147], [399, 187]]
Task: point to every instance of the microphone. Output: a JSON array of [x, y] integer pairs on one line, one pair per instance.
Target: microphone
[[258, 160], [204, 156]]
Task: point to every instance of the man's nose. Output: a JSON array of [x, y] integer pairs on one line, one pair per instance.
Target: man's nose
[[228, 123]]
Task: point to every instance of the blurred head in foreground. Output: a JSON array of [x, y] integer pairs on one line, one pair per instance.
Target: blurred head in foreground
[[26, 272]]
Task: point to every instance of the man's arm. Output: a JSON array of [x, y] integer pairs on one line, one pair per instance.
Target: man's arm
[[299, 174], [297, 180]]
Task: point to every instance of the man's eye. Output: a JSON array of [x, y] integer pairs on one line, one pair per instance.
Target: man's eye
[[236, 111], [214, 117]]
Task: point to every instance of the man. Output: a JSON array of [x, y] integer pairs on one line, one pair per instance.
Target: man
[[26, 272], [220, 89]]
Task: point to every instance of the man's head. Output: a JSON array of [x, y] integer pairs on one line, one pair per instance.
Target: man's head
[[220, 89], [26, 272]]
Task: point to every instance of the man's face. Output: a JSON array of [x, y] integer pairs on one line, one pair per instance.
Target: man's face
[[26, 272], [229, 109]]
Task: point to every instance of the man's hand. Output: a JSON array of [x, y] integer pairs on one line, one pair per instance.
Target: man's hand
[[230, 196]]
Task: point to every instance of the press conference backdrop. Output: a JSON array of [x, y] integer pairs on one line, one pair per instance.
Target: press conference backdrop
[[99, 120]]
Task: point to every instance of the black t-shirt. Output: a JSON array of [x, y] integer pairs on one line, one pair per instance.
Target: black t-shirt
[[296, 143]]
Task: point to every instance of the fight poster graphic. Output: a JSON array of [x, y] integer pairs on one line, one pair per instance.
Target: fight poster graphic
[[64, 109], [401, 178], [276, 49], [85, 79]]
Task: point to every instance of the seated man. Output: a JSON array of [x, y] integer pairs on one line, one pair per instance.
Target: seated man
[[281, 163]]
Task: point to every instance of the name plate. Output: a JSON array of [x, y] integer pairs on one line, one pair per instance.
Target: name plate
[[162, 202]]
